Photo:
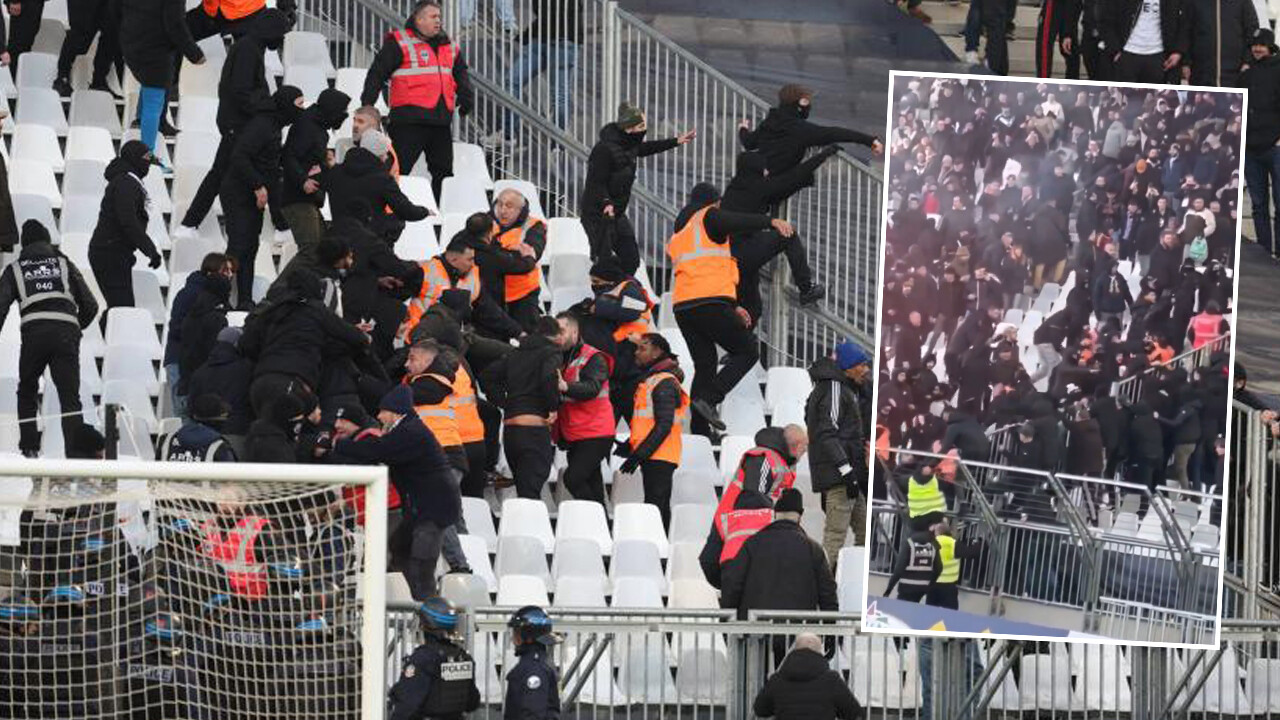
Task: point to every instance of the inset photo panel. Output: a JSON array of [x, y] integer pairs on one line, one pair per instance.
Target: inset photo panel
[[1054, 364]]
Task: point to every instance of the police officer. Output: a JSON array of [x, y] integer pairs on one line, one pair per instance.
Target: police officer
[[55, 305], [918, 565], [201, 439], [533, 692], [926, 504], [439, 677]]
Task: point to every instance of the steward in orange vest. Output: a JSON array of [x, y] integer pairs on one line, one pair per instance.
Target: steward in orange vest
[[455, 272], [1206, 327], [658, 418], [509, 257], [585, 425], [429, 81], [231, 17], [751, 512], [614, 320], [430, 376]]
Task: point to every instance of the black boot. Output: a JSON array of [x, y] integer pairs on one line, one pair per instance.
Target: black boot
[[104, 87], [63, 86], [708, 413], [166, 128], [812, 294]]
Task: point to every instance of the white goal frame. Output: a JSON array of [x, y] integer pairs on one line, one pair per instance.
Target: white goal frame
[[373, 478]]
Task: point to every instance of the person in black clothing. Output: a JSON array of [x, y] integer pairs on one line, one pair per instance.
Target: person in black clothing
[[754, 189], [199, 440], [88, 18], [421, 118], [24, 25], [786, 133], [439, 677], [1123, 48], [273, 437], [614, 320], [805, 688], [243, 93], [252, 180], [965, 435], [152, 34], [527, 389], [606, 191], [121, 231], [304, 157], [1219, 37], [1146, 446], [1261, 156], [213, 264], [289, 338], [202, 323], [228, 375], [55, 305], [838, 434], [362, 176]]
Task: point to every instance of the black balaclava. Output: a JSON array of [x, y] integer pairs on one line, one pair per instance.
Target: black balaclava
[[332, 107], [137, 156], [285, 99]]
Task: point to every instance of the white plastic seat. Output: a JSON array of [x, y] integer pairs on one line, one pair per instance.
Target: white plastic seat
[[702, 675], [36, 70], [195, 149], [640, 521], [786, 383], [696, 452], [479, 519], [418, 242], [1103, 675], [147, 294], [637, 560], [1046, 682], [569, 271], [469, 163], [690, 523], [850, 577], [450, 225], [350, 80], [200, 80], [418, 190], [129, 362], [788, 412], [523, 516], [577, 557], [36, 178], [462, 195], [309, 49], [41, 106], [477, 553], [84, 177], [37, 143], [186, 182], [566, 297], [134, 326], [627, 489], [522, 555], [96, 108], [580, 591], [526, 189], [741, 416], [521, 590], [188, 254], [683, 563], [732, 448], [466, 591], [643, 670], [584, 519], [398, 589], [310, 80], [198, 114], [90, 143], [565, 236], [132, 396], [35, 207], [694, 486]]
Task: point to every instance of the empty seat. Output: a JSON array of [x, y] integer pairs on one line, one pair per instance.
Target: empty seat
[[786, 383], [522, 555], [307, 49], [350, 80], [566, 297], [569, 271], [695, 486], [469, 163], [130, 362], [90, 143], [640, 521], [418, 190], [195, 149], [690, 523], [696, 451], [643, 670], [131, 396], [37, 143], [97, 109], [565, 236], [577, 557], [637, 559], [584, 519], [198, 114], [741, 416], [627, 488], [479, 520], [702, 675], [465, 591], [418, 242], [41, 106], [310, 80], [35, 207], [36, 70], [147, 295], [477, 552], [580, 591], [84, 177], [731, 449], [523, 516], [462, 195], [850, 577], [36, 178], [200, 80], [788, 412], [521, 590]]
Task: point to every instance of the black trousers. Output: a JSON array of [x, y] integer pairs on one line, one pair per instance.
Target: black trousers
[[89, 18], [433, 141], [946, 595], [582, 477], [457, 455], [529, 454], [114, 273], [1139, 68], [614, 236], [22, 32], [54, 345], [244, 232], [476, 477], [1047, 38], [491, 416], [525, 311], [994, 25], [211, 185], [657, 476], [706, 327], [756, 250]]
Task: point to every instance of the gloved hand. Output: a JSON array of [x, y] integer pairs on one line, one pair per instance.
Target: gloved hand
[[630, 466], [828, 151], [156, 261]]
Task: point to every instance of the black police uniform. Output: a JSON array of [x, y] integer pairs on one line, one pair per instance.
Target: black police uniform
[[919, 564], [532, 689], [438, 682], [55, 305], [194, 442]]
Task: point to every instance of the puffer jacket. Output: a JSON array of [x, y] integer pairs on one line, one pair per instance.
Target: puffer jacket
[[806, 688]]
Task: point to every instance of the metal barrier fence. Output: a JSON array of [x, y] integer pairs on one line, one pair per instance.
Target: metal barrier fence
[[573, 86], [1131, 388]]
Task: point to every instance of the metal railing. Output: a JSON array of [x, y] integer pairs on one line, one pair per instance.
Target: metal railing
[[1131, 388]]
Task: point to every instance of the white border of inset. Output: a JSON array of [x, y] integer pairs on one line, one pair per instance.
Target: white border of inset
[[890, 113]]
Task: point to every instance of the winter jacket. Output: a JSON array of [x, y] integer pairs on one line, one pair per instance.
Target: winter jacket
[[182, 302], [837, 443], [611, 169], [226, 374], [243, 91], [151, 33], [1111, 294], [785, 134], [527, 379], [1086, 455], [307, 146], [361, 180], [1166, 266], [496, 262], [388, 60], [1186, 424], [1146, 439], [206, 317], [255, 158], [122, 217], [86, 307], [666, 400], [805, 688], [966, 435], [374, 259], [1220, 35], [1262, 80], [756, 475], [1049, 236], [753, 191], [778, 568], [416, 465], [1118, 18]]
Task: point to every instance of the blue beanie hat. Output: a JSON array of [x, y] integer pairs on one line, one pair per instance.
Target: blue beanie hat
[[848, 355], [399, 400]]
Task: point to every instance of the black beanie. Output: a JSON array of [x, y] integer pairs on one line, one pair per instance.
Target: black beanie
[[703, 194], [34, 232], [790, 501], [608, 269]]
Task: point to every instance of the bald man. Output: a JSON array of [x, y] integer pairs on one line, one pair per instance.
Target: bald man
[[509, 257], [805, 687]]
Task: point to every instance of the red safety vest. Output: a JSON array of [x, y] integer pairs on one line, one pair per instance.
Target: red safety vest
[[1206, 328], [425, 73], [586, 419], [738, 525], [233, 552], [780, 477]]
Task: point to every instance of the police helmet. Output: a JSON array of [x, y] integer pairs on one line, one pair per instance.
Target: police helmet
[[16, 611], [532, 624], [437, 613], [164, 627], [65, 597]]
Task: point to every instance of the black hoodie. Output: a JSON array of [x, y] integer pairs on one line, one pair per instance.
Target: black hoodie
[[753, 190], [226, 374], [243, 91], [526, 380], [151, 32], [255, 159], [122, 216], [308, 145], [611, 169], [388, 60], [362, 178], [785, 135]]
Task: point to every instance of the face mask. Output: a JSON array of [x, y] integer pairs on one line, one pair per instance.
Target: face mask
[[802, 111]]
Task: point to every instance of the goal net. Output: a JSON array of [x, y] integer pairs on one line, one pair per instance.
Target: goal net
[[174, 591]]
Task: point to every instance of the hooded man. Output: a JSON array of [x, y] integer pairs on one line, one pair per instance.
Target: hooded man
[[786, 133], [303, 159], [201, 439], [252, 181], [243, 93], [55, 305], [362, 176], [273, 437], [606, 191], [121, 231], [422, 103], [838, 443]]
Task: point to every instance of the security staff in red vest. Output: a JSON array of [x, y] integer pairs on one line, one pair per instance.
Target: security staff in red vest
[[1207, 327], [584, 426], [657, 422], [509, 258], [429, 80], [751, 512], [236, 540], [767, 468]]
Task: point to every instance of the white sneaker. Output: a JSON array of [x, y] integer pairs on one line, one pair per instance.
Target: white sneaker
[[971, 57], [185, 232]]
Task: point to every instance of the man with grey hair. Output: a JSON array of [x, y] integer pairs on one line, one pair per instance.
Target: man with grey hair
[[509, 257], [805, 688]]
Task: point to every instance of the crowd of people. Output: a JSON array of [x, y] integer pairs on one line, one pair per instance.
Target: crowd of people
[[1003, 190]]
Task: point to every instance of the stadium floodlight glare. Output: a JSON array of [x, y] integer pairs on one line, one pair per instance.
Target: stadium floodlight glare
[[191, 590]]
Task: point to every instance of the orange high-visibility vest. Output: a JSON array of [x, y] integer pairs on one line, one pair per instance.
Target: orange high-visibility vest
[[232, 9], [882, 442], [233, 552], [435, 280], [1160, 355], [643, 420], [519, 286], [736, 526], [703, 269], [438, 417], [425, 75], [1206, 329], [465, 411], [639, 326]]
